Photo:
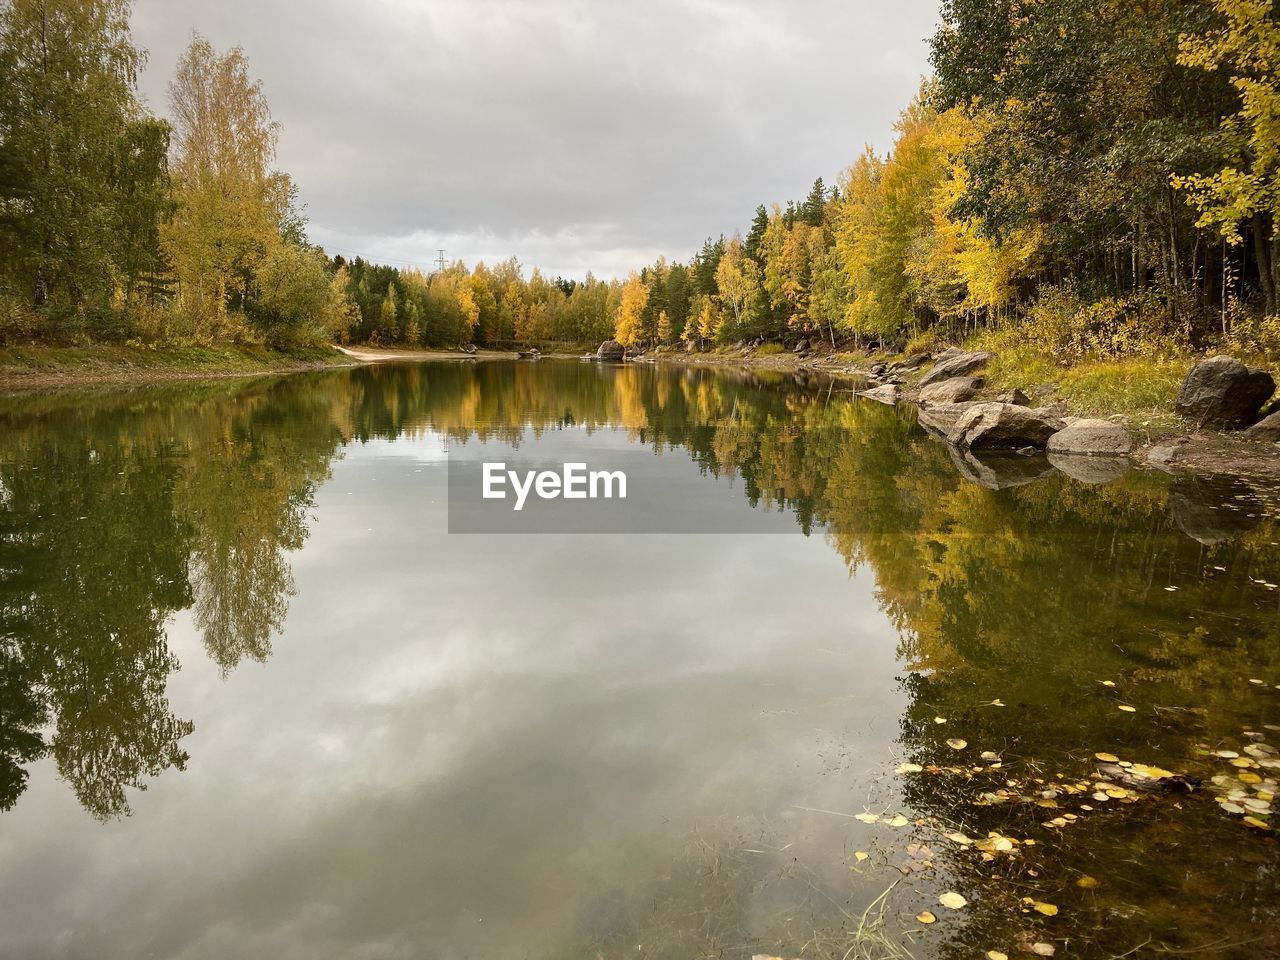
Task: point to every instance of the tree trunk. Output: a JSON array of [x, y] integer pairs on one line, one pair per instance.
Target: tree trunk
[[1262, 253]]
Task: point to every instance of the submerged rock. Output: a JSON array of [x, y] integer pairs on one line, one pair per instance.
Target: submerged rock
[[955, 390], [959, 365], [1210, 510], [995, 426], [887, 393], [1091, 469], [999, 471], [1221, 392], [611, 350], [1092, 438]]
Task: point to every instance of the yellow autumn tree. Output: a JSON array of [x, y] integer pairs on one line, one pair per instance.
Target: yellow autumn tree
[[629, 322]]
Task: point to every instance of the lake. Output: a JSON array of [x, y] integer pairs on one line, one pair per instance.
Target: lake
[[258, 701]]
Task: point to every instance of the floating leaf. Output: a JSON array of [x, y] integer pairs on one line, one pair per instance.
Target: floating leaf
[[1142, 771], [1043, 949], [1126, 708], [867, 818], [953, 901], [924, 916], [1226, 754], [1086, 882], [860, 855], [959, 838], [1107, 683], [996, 955], [1256, 823], [1107, 757], [1048, 909], [990, 755], [898, 821], [939, 719], [910, 768], [955, 743]]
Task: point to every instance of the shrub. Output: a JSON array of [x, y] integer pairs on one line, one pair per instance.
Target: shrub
[[769, 349], [1063, 325]]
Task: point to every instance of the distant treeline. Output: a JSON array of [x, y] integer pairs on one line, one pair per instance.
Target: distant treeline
[[1105, 174], [1098, 176]]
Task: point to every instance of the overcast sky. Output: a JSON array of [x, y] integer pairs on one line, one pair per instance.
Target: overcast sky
[[574, 135]]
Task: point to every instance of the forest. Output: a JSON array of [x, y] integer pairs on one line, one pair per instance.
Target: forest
[[1089, 178]]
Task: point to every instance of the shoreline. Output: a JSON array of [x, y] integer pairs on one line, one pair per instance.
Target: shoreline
[[1164, 442], [38, 368], [29, 368]]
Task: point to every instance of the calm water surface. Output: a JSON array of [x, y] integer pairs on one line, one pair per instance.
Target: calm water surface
[[255, 701]]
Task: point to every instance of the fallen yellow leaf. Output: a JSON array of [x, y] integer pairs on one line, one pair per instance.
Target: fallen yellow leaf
[[1107, 757], [953, 900], [924, 916]]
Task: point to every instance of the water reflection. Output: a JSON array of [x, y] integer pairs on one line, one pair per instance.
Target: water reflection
[[1013, 592]]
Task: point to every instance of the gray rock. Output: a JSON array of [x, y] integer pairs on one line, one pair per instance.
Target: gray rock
[[996, 426], [959, 365], [999, 471], [1092, 438], [948, 353], [612, 351], [1014, 396], [1223, 393], [888, 393], [955, 390], [879, 367], [1099, 469], [938, 419], [1165, 455], [802, 345], [913, 362], [1268, 428]]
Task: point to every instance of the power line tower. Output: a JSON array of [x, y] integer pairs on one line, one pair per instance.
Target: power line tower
[[440, 262]]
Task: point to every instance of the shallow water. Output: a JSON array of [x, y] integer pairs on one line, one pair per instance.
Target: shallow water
[[258, 702]]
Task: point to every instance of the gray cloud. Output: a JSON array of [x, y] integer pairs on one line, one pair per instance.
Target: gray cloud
[[575, 135]]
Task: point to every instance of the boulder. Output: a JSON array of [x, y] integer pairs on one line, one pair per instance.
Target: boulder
[[1092, 469], [1222, 393], [955, 390], [883, 394], [802, 345], [938, 418], [612, 351], [879, 368], [959, 365], [1092, 438], [948, 353], [1002, 426], [1016, 397], [1268, 428]]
